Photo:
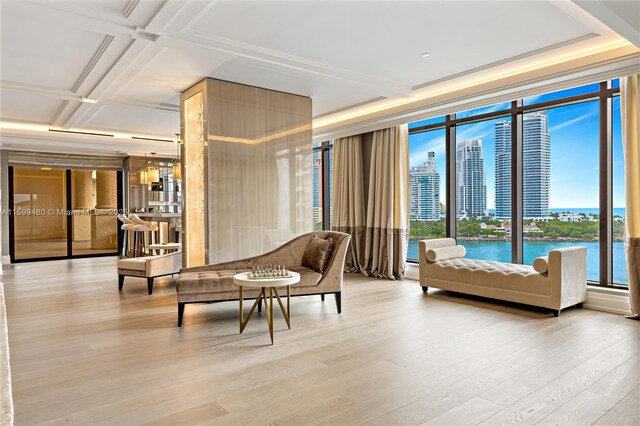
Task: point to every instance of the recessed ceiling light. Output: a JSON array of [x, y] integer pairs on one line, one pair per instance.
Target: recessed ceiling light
[[426, 54], [89, 101]]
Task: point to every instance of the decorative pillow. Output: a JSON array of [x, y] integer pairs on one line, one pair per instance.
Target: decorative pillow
[[541, 264], [317, 254], [441, 253]]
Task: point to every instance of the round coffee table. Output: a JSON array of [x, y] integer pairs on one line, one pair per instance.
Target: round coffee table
[[243, 280]]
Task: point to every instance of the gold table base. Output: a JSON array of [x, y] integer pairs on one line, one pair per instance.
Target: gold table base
[[268, 308]]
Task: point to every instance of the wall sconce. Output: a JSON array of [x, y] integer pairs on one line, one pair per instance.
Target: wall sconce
[[177, 167]]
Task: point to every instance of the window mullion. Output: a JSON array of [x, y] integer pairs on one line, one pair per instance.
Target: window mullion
[[606, 179], [516, 183], [450, 152]]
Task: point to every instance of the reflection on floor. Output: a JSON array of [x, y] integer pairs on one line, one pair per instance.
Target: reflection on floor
[[32, 249], [84, 353]]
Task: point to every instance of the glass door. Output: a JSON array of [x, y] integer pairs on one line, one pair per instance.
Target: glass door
[[94, 211], [38, 214], [59, 214]]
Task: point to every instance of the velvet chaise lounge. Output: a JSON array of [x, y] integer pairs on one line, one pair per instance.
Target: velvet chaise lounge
[[214, 283]]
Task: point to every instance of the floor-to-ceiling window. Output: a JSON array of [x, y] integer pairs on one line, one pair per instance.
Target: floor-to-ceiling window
[[322, 186], [561, 182], [483, 188], [427, 186], [547, 148]]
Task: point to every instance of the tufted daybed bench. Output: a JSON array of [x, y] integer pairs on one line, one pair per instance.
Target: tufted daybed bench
[[561, 284]]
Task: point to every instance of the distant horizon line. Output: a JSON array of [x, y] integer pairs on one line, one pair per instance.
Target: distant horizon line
[[557, 208]]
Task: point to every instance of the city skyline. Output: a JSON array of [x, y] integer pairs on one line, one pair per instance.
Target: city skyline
[[574, 159]]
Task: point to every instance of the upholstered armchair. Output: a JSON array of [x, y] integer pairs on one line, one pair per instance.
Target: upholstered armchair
[[149, 267], [214, 283]]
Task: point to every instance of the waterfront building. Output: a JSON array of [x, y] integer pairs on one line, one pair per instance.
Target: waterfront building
[[536, 167], [317, 186], [424, 189], [471, 194], [502, 134]]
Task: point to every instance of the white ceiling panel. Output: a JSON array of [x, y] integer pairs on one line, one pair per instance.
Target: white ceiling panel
[[113, 6], [39, 50], [135, 120], [171, 71], [27, 107], [327, 94], [386, 39]]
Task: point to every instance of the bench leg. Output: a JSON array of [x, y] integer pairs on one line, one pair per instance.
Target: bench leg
[[556, 312], [150, 284], [425, 289], [120, 282], [259, 305], [180, 313], [322, 297], [339, 301]]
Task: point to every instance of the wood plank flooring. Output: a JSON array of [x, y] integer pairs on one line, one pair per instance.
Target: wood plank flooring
[[82, 353]]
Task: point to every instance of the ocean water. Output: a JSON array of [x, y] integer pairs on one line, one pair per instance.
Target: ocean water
[[501, 251], [617, 211]]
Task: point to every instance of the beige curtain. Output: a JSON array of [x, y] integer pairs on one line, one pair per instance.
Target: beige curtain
[[371, 199], [629, 95], [347, 202], [387, 204]]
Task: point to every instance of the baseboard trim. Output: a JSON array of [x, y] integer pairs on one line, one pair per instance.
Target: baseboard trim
[[610, 300]]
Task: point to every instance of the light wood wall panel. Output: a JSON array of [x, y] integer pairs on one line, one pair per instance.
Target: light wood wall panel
[[258, 170]]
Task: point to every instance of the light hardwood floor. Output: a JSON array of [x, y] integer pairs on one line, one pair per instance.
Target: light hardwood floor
[[82, 353]]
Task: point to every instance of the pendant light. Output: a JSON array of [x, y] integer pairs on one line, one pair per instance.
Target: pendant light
[[144, 176]]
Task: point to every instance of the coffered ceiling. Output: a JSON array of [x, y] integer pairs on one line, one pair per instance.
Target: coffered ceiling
[[134, 57]]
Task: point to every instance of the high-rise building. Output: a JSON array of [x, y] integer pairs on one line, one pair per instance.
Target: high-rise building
[[502, 133], [471, 196], [317, 186], [424, 188], [536, 167]]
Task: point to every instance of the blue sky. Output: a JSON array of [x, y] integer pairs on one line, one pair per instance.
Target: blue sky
[[573, 130]]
